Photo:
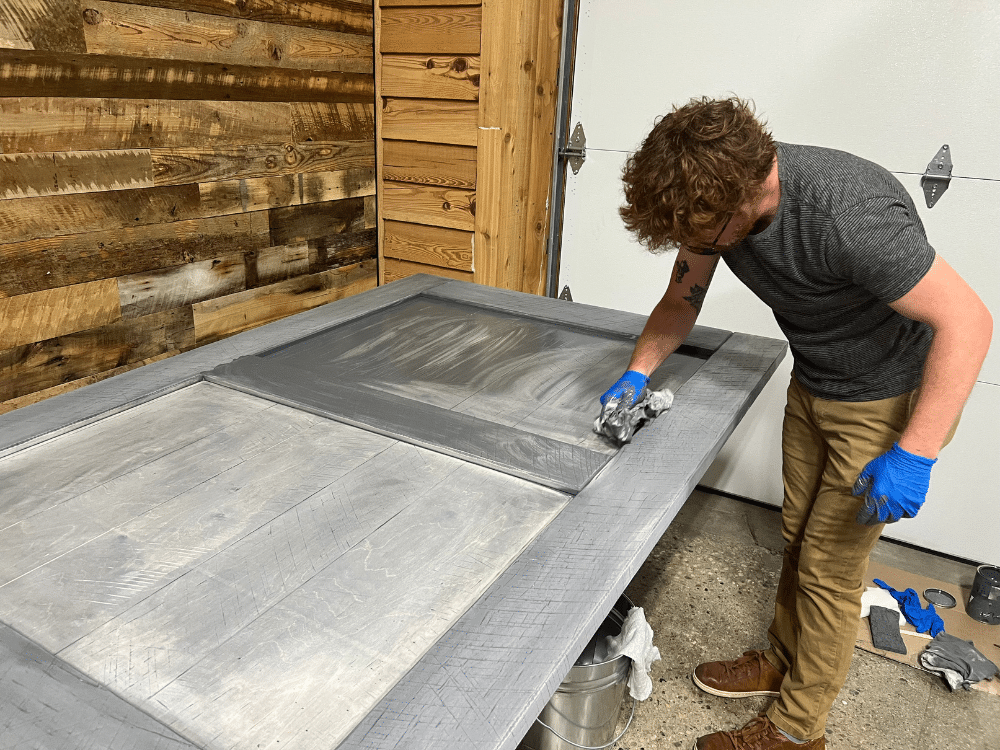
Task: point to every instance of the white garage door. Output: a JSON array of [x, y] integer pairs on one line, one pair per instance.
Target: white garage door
[[888, 81]]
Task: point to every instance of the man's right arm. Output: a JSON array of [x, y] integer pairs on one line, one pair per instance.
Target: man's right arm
[[674, 316]]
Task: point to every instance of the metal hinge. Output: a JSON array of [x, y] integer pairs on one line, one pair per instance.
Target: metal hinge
[[576, 149], [937, 176], [565, 294]]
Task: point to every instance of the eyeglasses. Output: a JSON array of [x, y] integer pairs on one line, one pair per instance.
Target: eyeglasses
[[711, 249]]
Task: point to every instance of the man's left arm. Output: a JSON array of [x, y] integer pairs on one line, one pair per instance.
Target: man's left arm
[[895, 484], [962, 327]]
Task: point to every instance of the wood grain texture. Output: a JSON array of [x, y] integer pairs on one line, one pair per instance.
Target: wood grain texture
[[31, 124], [342, 249], [431, 121], [34, 398], [62, 173], [274, 264], [437, 31], [37, 316], [119, 76], [333, 15], [401, 269], [422, 3], [256, 194], [42, 25], [180, 166], [140, 31], [147, 293], [47, 263], [332, 121], [315, 221], [436, 246], [215, 319], [429, 77], [420, 204], [517, 114], [43, 364], [379, 220], [429, 164]]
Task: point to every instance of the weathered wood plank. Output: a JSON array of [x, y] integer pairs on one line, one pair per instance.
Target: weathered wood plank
[[43, 364], [332, 15], [155, 291], [55, 215], [394, 3], [62, 173], [158, 33], [332, 121], [218, 318], [118, 76], [274, 264], [436, 246], [401, 269], [430, 77], [179, 166], [29, 124], [429, 164], [52, 262], [231, 196], [420, 204], [431, 121], [436, 31], [34, 398], [316, 220], [42, 25], [342, 249], [37, 316]]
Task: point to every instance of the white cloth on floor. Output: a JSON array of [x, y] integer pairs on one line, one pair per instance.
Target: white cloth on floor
[[880, 598], [636, 642]]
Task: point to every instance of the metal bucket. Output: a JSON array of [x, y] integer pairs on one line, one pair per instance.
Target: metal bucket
[[584, 710]]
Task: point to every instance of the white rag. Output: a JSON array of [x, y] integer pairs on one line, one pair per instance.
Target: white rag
[[636, 642], [880, 598]]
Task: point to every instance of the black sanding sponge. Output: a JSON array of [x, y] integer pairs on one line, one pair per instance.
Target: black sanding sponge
[[885, 630]]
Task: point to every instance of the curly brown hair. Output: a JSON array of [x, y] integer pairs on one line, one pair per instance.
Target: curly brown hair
[[697, 165]]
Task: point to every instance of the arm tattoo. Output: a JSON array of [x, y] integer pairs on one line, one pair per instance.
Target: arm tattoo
[[681, 267], [697, 296]]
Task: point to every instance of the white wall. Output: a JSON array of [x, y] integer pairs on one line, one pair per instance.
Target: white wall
[[889, 81]]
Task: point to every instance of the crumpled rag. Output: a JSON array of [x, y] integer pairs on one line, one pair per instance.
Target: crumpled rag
[[959, 662], [618, 423], [636, 642], [923, 620]]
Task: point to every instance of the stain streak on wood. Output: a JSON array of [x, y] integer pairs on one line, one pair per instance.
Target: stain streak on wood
[[332, 121], [50, 74], [156, 291], [42, 25], [62, 173]]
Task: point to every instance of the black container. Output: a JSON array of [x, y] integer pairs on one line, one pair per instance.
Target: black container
[[984, 600]]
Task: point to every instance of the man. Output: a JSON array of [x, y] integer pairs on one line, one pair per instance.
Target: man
[[887, 341]]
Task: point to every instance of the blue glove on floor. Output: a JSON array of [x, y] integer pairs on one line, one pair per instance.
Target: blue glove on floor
[[894, 486], [628, 389], [909, 604]]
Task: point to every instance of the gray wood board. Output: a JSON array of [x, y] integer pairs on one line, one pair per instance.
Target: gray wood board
[[551, 463], [45, 704], [268, 582], [485, 681]]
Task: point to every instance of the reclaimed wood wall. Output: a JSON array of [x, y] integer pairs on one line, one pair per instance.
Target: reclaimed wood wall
[[173, 172], [466, 125]]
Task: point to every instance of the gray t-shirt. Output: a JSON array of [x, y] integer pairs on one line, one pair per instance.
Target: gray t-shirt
[[846, 241]]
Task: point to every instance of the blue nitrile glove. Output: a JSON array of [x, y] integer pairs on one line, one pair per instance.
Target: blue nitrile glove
[[909, 604], [627, 389], [894, 486]]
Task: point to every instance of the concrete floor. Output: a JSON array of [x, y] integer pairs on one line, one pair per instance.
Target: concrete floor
[[708, 592]]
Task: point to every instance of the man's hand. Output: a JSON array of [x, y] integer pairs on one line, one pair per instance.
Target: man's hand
[[894, 486], [628, 388]]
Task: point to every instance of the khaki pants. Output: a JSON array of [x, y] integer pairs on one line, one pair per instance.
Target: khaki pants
[[825, 445]]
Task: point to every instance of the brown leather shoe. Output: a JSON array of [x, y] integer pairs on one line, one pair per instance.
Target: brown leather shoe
[[745, 677], [758, 734]]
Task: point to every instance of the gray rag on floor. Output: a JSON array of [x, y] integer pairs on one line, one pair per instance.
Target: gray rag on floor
[[958, 661], [618, 423]]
